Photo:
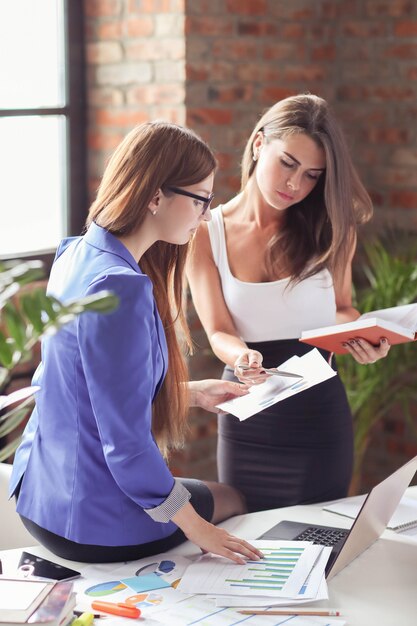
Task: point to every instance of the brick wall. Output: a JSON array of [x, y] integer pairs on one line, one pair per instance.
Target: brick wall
[[216, 64]]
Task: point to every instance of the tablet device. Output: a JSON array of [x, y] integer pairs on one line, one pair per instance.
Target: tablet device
[[32, 565]]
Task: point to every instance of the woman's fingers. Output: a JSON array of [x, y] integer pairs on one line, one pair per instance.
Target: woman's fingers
[[245, 548], [365, 353]]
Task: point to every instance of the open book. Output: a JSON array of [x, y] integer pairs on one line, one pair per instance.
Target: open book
[[398, 324], [405, 515]]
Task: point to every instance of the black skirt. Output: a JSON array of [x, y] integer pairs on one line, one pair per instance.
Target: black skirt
[[297, 451]]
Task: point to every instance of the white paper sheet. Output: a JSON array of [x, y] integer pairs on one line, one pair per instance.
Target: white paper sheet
[[280, 574], [201, 611], [312, 366]]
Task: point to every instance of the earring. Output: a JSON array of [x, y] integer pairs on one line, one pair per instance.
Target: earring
[[254, 157], [154, 212]]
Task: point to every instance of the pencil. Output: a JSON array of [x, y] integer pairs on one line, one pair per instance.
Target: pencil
[[290, 612]]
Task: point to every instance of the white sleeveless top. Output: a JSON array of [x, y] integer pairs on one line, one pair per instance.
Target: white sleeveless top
[[272, 310]]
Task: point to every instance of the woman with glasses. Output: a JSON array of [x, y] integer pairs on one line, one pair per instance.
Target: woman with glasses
[[276, 260], [91, 477]]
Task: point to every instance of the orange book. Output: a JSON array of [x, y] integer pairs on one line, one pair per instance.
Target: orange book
[[398, 324]]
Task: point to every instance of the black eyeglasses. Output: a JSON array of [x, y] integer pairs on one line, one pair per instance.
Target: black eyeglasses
[[205, 201]]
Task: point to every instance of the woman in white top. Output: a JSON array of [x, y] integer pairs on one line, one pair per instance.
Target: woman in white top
[[276, 260]]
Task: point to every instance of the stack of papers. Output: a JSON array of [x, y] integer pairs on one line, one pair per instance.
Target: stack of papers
[[291, 572], [155, 586], [313, 368]]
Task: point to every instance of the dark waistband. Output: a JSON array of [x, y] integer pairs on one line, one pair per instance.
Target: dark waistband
[[279, 350]]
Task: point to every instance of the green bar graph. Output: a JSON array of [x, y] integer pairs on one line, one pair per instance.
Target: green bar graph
[[271, 572]]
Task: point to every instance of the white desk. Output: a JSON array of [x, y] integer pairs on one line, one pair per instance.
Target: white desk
[[379, 588]]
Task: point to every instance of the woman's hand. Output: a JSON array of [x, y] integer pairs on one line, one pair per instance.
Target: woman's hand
[[255, 374], [210, 538], [364, 352], [207, 394]]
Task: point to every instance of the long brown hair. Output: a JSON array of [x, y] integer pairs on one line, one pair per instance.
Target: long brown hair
[[320, 230], [153, 156]]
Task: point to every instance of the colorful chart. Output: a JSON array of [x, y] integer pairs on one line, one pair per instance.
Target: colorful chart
[[105, 589], [163, 567], [271, 572], [144, 600]]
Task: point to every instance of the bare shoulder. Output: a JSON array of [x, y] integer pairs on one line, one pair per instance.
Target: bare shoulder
[[201, 242]]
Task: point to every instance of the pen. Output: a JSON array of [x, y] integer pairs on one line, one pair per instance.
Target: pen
[[1, 568], [85, 619], [290, 612], [119, 608], [272, 370]]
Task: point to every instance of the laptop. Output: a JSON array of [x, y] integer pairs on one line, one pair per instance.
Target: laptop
[[368, 526]]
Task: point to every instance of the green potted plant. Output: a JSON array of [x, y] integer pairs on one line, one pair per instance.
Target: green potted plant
[[388, 277], [27, 314]]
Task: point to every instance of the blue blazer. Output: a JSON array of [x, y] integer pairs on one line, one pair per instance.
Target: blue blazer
[[89, 462]]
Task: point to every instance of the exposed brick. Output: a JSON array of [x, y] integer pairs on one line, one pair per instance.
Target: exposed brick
[[171, 113], [105, 96], [273, 94], [100, 8], [258, 29], [293, 31], [169, 25], [123, 118], [110, 29], [123, 73], [404, 199], [324, 53], [294, 11], [388, 8], [336, 10], [392, 176], [169, 71], [208, 26], [246, 7], [364, 29], [212, 71], [156, 94], [153, 6], [405, 157], [234, 49], [104, 52], [298, 73], [283, 50], [404, 51], [386, 135], [140, 26], [210, 116], [406, 29], [385, 93], [155, 49], [99, 140], [411, 73], [237, 93]]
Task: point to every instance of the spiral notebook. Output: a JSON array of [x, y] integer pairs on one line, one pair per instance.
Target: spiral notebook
[[405, 515]]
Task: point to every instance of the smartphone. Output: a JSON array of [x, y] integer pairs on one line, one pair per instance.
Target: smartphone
[[31, 565]]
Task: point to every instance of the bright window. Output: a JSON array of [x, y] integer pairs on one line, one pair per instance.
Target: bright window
[[40, 45]]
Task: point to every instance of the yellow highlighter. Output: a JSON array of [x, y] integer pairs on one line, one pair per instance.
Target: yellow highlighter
[[86, 619]]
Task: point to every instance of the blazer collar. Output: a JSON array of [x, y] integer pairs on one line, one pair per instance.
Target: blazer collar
[[100, 238]]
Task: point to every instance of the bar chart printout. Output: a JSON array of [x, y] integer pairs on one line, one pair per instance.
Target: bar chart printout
[[281, 573]]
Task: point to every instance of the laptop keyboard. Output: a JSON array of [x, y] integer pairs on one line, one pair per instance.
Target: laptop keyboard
[[322, 536]]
